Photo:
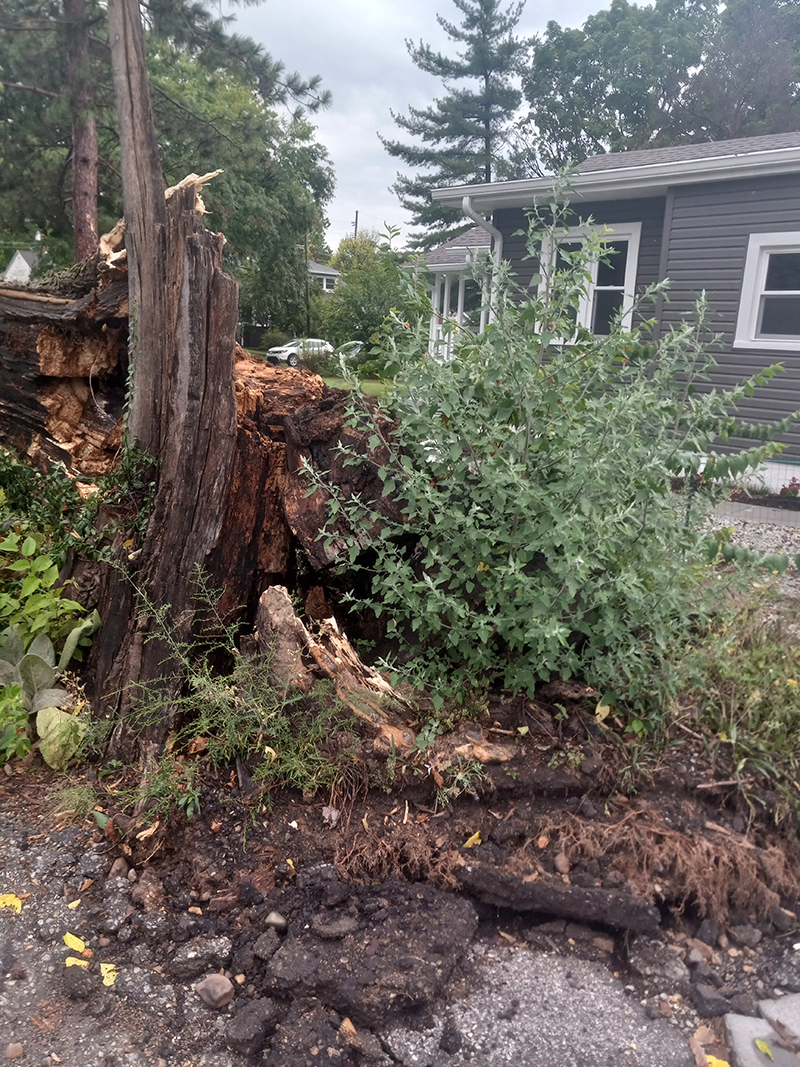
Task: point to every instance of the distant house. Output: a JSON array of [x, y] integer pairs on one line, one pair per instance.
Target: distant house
[[458, 291], [21, 266], [722, 217], [325, 277]]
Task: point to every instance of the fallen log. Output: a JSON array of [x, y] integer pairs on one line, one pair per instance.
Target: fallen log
[[503, 890]]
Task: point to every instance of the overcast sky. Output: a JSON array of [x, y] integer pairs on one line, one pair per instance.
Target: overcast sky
[[358, 47]]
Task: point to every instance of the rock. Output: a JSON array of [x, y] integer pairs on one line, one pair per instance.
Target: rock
[[746, 935], [267, 945], [707, 932], [781, 919], [199, 955], [653, 959], [119, 868], [77, 983], [276, 921], [604, 944], [694, 957], [215, 991], [561, 863], [704, 972], [705, 951], [744, 1004], [15, 1051], [149, 892], [592, 765], [708, 1001], [247, 1031], [335, 929]]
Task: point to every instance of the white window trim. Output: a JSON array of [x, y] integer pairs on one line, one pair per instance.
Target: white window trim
[[630, 231], [759, 247]]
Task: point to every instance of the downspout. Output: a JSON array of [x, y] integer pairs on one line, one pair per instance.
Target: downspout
[[497, 253]]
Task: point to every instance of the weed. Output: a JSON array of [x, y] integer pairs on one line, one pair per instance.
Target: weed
[[15, 738], [459, 778], [77, 801], [281, 737], [748, 693]]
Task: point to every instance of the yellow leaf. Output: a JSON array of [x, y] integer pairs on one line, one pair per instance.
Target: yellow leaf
[[73, 942], [602, 711], [762, 1046], [522, 730], [11, 900], [471, 842], [712, 1061], [109, 973], [73, 961], [73, 904]]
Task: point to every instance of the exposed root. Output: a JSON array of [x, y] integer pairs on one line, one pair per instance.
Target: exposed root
[[718, 872], [406, 853]]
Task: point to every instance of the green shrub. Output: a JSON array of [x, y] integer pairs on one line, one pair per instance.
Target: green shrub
[[540, 536], [273, 338]]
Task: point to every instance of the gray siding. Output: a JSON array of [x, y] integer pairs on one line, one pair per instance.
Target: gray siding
[[650, 212], [710, 225]]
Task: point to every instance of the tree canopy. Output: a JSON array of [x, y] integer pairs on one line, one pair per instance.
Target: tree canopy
[[369, 287], [219, 101], [463, 137], [641, 77]]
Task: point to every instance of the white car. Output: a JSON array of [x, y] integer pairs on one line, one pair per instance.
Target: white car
[[299, 347]]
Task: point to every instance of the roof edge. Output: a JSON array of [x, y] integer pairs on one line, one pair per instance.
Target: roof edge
[[652, 177]]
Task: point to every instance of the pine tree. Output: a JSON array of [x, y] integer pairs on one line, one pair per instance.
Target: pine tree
[[464, 135]]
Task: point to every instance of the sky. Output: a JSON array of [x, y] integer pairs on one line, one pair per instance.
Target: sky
[[358, 47]]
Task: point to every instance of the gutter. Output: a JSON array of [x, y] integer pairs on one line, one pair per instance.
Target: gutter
[[497, 253], [497, 237], [620, 182]]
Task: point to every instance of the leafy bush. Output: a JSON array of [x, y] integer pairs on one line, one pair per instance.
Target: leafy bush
[[540, 535], [272, 338], [29, 598]]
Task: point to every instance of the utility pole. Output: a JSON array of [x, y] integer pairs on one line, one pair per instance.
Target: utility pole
[[355, 228], [308, 294]]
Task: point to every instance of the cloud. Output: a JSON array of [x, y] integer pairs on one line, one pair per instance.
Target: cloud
[[358, 47]]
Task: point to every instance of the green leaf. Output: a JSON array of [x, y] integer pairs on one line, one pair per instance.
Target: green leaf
[[77, 635], [42, 646], [11, 646], [50, 698], [28, 546], [36, 674], [60, 736]]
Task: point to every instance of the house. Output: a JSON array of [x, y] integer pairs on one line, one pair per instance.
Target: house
[[324, 277], [723, 217], [21, 266]]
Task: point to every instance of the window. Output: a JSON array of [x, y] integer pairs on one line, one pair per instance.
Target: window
[[769, 308], [613, 279]]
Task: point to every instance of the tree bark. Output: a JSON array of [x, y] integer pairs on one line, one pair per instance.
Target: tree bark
[[145, 229], [182, 406], [84, 130]]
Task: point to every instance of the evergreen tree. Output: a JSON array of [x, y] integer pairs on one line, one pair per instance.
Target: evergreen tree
[[463, 136]]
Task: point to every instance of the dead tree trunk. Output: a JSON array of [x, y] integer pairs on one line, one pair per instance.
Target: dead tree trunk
[[182, 408], [84, 130]]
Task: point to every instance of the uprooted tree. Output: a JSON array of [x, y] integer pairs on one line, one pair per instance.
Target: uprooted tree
[[149, 324]]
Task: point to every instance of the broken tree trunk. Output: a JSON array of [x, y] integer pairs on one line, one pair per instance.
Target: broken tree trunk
[[197, 442], [184, 312]]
